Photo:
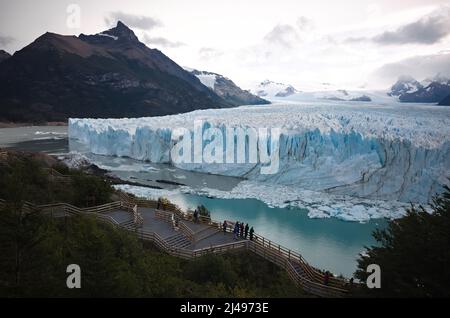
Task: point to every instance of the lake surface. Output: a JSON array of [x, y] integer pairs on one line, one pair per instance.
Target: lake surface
[[329, 244], [48, 139]]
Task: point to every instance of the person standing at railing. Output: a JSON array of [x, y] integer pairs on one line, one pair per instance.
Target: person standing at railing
[[246, 231], [242, 230], [224, 226], [196, 216], [349, 285], [236, 230], [251, 233], [326, 278]]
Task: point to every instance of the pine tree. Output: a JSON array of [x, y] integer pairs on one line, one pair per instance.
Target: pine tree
[[414, 253]]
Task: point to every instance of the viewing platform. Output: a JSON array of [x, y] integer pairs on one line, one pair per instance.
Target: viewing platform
[[176, 233]]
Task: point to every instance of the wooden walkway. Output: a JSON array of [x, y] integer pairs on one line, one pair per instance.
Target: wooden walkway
[[174, 232]]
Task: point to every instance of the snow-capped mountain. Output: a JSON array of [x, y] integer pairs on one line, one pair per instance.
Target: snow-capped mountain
[[108, 74], [405, 85], [430, 90], [227, 89], [343, 95], [270, 89]]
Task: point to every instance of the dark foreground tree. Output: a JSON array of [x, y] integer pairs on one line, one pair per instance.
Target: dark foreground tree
[[35, 249], [414, 254], [203, 211]]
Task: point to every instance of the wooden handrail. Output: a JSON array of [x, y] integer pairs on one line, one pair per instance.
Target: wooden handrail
[[189, 233], [128, 203], [275, 253]]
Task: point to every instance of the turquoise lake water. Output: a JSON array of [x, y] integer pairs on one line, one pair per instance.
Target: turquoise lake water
[[329, 244]]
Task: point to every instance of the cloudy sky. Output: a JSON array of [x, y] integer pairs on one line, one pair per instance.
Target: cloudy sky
[[347, 43]]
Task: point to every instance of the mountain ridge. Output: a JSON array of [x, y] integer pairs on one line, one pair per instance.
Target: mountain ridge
[[227, 89], [431, 90], [60, 76], [271, 89]]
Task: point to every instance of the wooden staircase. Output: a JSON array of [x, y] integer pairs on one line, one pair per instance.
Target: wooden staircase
[[180, 244], [299, 270], [128, 225], [178, 241]]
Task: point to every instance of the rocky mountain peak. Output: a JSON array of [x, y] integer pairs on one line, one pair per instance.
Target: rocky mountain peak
[[430, 90], [405, 84], [122, 32], [119, 34]]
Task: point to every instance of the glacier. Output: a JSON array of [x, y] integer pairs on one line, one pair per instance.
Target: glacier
[[367, 151]]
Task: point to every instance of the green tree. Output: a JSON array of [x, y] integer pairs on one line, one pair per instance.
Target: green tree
[[26, 252], [414, 254], [90, 190], [203, 211]]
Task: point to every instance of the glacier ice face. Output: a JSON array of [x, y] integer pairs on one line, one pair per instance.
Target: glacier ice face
[[386, 152]]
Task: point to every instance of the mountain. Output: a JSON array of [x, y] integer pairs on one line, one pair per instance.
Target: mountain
[[270, 89], [343, 95], [431, 90], [404, 85], [4, 55], [109, 74], [229, 91], [445, 101]]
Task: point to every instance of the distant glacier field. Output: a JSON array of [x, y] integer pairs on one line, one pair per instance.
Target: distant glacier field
[[352, 161]]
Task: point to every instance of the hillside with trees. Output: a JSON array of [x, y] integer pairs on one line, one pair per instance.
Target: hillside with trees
[[413, 254]]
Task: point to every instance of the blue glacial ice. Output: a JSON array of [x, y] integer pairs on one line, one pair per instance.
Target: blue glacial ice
[[371, 152]]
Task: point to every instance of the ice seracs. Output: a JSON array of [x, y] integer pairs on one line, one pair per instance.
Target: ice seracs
[[359, 150]]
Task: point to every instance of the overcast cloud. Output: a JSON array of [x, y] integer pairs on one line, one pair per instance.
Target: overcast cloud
[[291, 41], [419, 67], [427, 30], [133, 21], [6, 40], [160, 41]]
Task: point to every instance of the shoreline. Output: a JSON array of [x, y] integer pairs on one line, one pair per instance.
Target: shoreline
[[16, 125]]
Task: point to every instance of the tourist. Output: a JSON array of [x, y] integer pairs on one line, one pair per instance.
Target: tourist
[[251, 233], [196, 216], [224, 226], [326, 278], [246, 231], [242, 229], [236, 230], [349, 285]]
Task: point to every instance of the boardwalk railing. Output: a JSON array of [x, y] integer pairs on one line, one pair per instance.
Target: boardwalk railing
[[189, 233], [311, 279], [165, 216], [65, 209]]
